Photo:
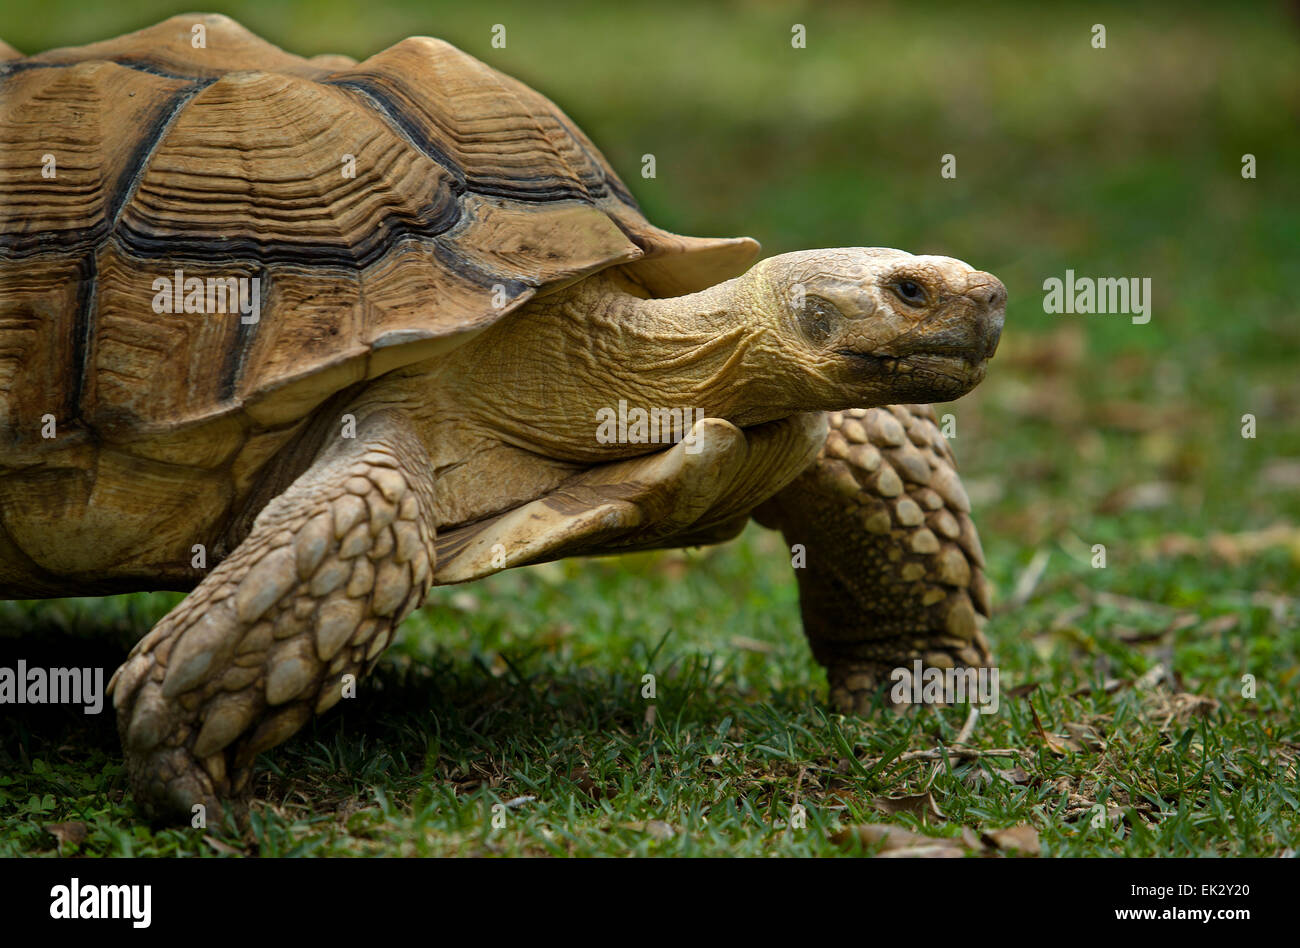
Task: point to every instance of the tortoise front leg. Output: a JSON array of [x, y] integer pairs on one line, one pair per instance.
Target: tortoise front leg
[[313, 594], [894, 571]]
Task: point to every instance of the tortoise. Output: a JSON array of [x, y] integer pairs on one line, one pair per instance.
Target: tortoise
[[306, 337]]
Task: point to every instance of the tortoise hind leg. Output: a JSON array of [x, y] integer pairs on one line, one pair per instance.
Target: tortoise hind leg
[[894, 571], [312, 594]]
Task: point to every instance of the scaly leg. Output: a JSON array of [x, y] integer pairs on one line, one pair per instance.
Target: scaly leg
[[894, 569], [313, 594]]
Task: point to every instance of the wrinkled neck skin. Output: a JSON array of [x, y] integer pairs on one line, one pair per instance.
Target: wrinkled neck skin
[[538, 379]]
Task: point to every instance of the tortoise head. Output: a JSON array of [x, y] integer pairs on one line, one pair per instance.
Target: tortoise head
[[872, 326]]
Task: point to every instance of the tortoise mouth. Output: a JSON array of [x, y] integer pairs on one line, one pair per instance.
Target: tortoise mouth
[[938, 375], [942, 360]]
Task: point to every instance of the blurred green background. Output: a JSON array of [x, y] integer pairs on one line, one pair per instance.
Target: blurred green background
[[1122, 162]]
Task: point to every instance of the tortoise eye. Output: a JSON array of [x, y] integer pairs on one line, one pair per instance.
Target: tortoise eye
[[910, 292]]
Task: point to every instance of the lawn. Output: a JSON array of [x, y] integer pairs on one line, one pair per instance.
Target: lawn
[[1148, 706]]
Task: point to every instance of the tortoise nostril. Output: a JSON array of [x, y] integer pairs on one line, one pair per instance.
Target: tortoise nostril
[[988, 291]]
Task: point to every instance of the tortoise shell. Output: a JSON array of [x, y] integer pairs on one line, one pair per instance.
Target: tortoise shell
[[386, 209], [232, 159]]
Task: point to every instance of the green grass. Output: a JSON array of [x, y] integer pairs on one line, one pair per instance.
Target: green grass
[[528, 686], [525, 689]]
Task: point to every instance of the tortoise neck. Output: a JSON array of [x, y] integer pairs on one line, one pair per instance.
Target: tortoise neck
[[543, 377], [713, 310], [704, 350]]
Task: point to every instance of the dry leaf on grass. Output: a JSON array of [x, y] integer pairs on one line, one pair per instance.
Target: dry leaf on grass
[[1014, 775], [1085, 735], [73, 833], [898, 843], [978, 777], [1022, 838], [920, 805], [1055, 744]]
